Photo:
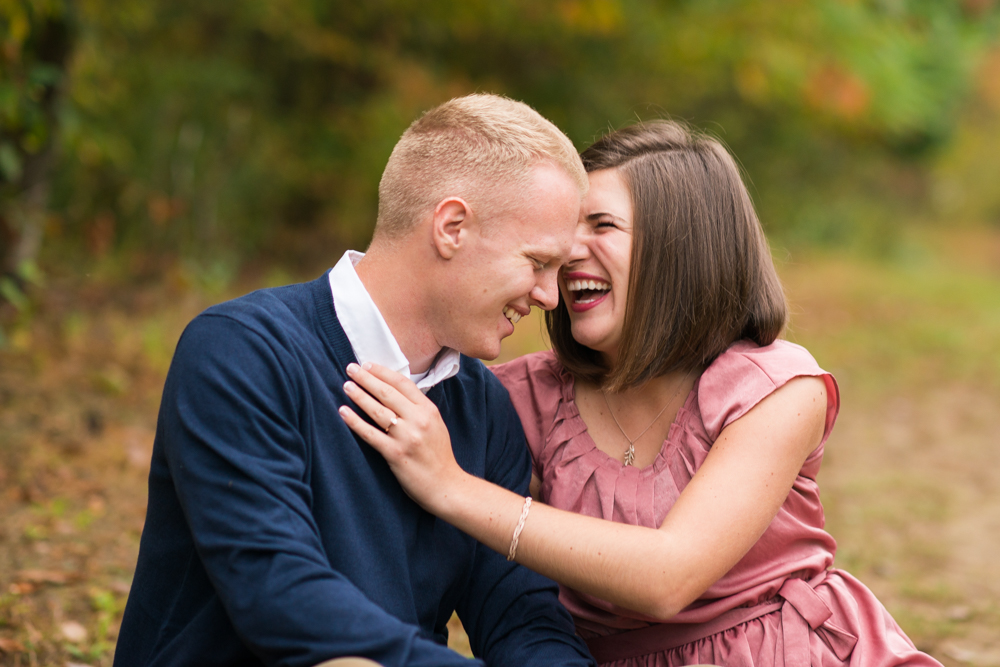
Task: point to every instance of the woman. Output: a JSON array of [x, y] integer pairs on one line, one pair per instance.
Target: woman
[[670, 407]]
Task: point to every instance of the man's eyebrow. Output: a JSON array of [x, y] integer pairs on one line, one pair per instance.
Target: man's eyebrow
[[544, 255], [595, 216]]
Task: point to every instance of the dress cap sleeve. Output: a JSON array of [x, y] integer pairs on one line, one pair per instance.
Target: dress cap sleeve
[[745, 374], [535, 388]]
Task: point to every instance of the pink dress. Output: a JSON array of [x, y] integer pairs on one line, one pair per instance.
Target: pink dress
[[782, 604]]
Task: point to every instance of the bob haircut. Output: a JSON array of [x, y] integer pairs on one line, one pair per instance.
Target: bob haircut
[[701, 275]]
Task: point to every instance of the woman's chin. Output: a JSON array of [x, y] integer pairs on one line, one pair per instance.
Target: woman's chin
[[599, 341]]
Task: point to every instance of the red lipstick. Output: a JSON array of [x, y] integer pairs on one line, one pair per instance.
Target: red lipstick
[[580, 275]]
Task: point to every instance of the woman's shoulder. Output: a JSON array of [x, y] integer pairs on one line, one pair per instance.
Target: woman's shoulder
[[538, 368], [746, 373], [776, 361]]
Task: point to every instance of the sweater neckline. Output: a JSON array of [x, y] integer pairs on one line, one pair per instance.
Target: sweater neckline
[[336, 337]]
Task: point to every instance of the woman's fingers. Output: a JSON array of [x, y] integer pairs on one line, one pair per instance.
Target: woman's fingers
[[380, 390], [379, 413], [374, 437], [398, 381]]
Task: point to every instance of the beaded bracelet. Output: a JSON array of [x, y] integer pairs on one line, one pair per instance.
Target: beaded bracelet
[[519, 528]]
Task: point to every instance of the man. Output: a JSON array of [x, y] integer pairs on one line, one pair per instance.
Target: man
[[273, 535]]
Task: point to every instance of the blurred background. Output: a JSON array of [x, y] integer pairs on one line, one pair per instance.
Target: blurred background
[[157, 156]]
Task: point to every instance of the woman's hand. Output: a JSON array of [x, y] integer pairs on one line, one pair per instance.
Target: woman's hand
[[413, 438]]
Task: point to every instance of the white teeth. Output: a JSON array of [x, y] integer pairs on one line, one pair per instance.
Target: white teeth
[[578, 285], [512, 315]]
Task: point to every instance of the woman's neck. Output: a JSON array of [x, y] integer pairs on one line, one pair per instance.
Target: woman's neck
[[638, 415]]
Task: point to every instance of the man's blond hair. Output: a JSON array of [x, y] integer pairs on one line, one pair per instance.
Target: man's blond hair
[[478, 147]]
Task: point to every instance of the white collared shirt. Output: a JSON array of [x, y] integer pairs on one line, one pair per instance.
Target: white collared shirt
[[368, 333]]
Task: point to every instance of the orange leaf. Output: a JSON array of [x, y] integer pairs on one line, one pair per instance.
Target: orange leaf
[[21, 589], [46, 577], [10, 645]]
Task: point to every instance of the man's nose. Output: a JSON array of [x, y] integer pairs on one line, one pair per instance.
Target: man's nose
[[581, 248], [546, 291]]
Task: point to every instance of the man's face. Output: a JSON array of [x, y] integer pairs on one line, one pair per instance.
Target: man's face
[[511, 266]]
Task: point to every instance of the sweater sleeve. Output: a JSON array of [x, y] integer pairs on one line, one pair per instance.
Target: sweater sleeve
[[239, 464], [513, 615]]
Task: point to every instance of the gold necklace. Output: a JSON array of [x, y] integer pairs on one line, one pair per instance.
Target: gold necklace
[[629, 458]]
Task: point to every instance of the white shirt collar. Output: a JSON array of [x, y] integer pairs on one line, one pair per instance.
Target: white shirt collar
[[368, 333]]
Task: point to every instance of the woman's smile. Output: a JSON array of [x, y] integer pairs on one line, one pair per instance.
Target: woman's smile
[[585, 290]]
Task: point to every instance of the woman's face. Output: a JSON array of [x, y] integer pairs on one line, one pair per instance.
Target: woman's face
[[594, 283]]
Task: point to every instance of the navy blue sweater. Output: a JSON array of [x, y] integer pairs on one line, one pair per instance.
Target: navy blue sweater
[[274, 536]]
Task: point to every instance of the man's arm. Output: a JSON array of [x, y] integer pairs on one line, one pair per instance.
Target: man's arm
[[513, 615], [239, 466]]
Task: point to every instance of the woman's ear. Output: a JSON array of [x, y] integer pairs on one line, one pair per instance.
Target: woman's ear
[[450, 226]]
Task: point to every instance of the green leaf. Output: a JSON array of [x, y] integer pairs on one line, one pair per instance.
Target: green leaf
[[10, 291], [10, 162], [28, 271]]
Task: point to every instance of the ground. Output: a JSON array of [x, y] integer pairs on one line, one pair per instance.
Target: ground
[[910, 481]]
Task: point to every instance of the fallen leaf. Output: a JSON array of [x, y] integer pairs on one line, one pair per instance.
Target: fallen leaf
[[73, 631], [46, 577], [21, 589], [10, 645]]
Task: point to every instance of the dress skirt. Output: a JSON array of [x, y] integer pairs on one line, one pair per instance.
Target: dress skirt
[[832, 620]]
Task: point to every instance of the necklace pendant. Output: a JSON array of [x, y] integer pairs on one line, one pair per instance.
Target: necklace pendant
[[629, 455]]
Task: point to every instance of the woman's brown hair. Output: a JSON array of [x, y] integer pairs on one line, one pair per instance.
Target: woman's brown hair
[[701, 274]]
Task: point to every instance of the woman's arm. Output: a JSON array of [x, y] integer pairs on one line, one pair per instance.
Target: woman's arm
[[725, 508]]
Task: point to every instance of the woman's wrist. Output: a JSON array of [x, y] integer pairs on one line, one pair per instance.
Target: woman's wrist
[[450, 492], [482, 509]]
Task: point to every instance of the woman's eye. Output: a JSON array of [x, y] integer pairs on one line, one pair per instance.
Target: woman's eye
[[605, 223]]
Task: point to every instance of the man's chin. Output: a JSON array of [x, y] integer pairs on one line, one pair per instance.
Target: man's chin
[[489, 355], [485, 352]]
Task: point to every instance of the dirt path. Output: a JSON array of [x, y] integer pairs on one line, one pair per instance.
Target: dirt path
[[910, 481]]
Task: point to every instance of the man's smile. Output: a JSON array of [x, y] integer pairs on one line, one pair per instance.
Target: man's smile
[[512, 314]]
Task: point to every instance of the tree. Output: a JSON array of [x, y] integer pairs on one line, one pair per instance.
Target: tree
[[37, 38]]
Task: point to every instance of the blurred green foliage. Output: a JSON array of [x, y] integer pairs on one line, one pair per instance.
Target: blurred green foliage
[[208, 133]]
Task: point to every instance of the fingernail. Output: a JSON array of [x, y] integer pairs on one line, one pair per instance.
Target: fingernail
[[349, 386], [367, 365], [352, 368], [342, 410]]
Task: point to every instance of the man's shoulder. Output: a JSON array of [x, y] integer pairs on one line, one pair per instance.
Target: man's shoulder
[[474, 376], [277, 318], [273, 312], [474, 396], [263, 305]]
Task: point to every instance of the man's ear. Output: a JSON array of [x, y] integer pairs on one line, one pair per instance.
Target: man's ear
[[450, 225]]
